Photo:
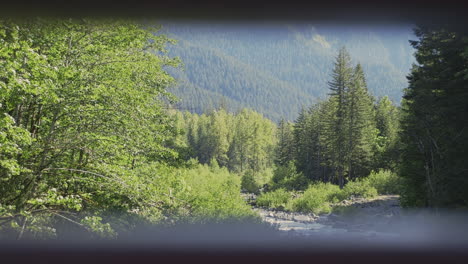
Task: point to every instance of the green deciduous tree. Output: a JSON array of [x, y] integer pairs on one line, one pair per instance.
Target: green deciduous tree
[[81, 110], [240, 142], [387, 145]]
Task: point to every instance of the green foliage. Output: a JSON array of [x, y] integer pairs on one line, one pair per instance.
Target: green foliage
[[81, 111], [319, 196], [358, 188], [384, 181], [266, 60], [336, 140], [350, 126], [249, 184], [275, 199], [288, 178], [12, 140], [241, 142], [360, 126], [337, 135], [264, 177], [86, 142], [316, 199], [434, 121], [97, 227], [284, 152], [310, 148], [213, 194], [387, 144]]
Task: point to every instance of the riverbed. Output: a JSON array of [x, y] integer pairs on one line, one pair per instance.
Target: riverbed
[[355, 218]]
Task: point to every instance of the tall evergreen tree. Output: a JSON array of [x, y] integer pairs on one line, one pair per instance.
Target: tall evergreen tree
[[316, 133], [339, 86], [435, 121], [302, 143], [360, 126], [285, 147]]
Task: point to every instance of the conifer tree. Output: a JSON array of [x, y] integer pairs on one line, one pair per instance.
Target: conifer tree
[[435, 121], [360, 126], [285, 147], [302, 142], [317, 144], [336, 134]]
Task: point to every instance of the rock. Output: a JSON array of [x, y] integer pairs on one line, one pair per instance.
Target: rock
[[313, 216], [301, 218], [281, 215]]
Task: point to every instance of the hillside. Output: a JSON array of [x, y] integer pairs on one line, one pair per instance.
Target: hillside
[[275, 68]]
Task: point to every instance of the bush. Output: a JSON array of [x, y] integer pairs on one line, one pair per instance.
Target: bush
[[287, 177], [385, 181], [212, 194], [275, 199], [358, 188], [264, 176], [316, 199], [249, 184], [161, 194]]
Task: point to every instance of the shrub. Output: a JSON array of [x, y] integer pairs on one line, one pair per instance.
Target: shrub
[[359, 188], [212, 194], [264, 176], [385, 181], [198, 194], [249, 184], [316, 198], [275, 199], [287, 177]]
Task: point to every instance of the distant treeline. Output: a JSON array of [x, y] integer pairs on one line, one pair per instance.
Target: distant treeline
[[242, 141], [344, 137]]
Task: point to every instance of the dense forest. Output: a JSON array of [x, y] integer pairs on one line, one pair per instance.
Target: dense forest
[[90, 142], [251, 66]]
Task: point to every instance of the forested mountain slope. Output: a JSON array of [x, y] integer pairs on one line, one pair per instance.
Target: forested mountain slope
[[277, 68]]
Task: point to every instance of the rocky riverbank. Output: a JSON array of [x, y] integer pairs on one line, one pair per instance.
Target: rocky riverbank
[[365, 218]]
